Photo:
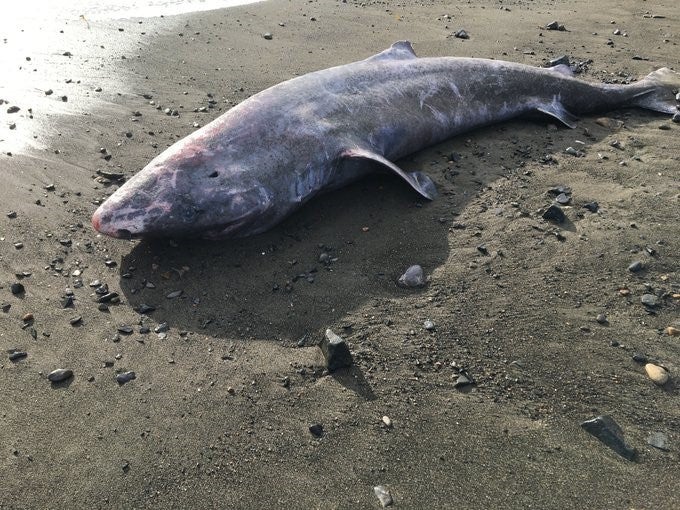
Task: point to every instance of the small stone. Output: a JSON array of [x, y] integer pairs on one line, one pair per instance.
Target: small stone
[[649, 300], [671, 331], [174, 294], [658, 440], [636, 267], [559, 61], [554, 25], [383, 495], [429, 325], [462, 34], [387, 422], [676, 118], [608, 431], [573, 152], [125, 329], [11, 214], [17, 355], [639, 358], [125, 377], [105, 298], [60, 374], [17, 288], [144, 308], [657, 374], [413, 277], [268, 36], [49, 92], [563, 199], [336, 351], [602, 319], [462, 381], [27, 317], [13, 109], [593, 207], [75, 321], [316, 430], [554, 213]]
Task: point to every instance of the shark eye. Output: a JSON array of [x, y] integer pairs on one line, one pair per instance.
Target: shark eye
[[213, 174]]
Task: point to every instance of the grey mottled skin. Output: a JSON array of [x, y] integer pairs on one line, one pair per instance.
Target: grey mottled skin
[[250, 168]]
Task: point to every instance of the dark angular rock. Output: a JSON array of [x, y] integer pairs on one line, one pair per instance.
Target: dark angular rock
[[336, 351], [563, 60], [608, 431], [462, 34], [107, 297], [17, 288], [413, 277], [636, 267], [593, 207], [17, 355], [554, 213], [563, 199], [316, 430]]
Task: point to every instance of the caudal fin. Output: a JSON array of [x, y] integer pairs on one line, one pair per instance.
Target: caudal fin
[[660, 92]]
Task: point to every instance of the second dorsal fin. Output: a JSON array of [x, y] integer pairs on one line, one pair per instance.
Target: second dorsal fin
[[400, 50]]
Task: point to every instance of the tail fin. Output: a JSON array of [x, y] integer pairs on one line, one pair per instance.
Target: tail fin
[[659, 93]]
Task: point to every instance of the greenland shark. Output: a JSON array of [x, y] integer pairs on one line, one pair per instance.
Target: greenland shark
[[254, 165]]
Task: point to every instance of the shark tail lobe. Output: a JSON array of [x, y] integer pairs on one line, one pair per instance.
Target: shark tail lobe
[[660, 92]]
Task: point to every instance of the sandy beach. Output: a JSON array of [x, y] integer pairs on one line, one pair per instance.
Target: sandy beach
[[546, 320]]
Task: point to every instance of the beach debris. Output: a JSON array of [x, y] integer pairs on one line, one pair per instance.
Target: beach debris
[[671, 331], [60, 374], [336, 351], [610, 433], [383, 495], [657, 374], [413, 277]]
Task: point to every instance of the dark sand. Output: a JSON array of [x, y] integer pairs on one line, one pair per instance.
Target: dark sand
[[218, 415]]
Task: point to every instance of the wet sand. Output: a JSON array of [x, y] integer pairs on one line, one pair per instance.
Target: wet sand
[[219, 413]]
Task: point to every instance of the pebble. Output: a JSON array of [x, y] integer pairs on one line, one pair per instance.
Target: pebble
[[383, 495], [462, 380], [657, 374], [462, 34], [13, 109], [593, 207], [602, 319], [268, 36], [17, 288], [144, 308], [676, 118], [413, 277], [125, 377], [554, 25], [429, 325], [125, 329], [105, 298], [563, 199], [636, 267], [671, 331], [387, 422], [316, 430], [554, 213], [60, 374], [11, 214], [573, 152], [174, 294], [336, 351], [658, 440], [608, 431], [563, 60], [17, 355], [649, 300], [75, 321], [28, 317]]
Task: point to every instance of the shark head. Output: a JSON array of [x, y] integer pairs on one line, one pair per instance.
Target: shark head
[[189, 190]]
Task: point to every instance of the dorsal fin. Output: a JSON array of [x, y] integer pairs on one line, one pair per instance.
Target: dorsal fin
[[400, 50]]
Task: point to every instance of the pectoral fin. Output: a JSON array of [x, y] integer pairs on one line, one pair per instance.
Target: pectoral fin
[[557, 111], [418, 180]]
